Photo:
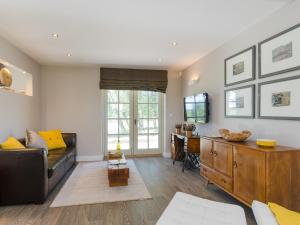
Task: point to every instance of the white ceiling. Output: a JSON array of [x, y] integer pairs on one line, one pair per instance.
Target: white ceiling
[[127, 32]]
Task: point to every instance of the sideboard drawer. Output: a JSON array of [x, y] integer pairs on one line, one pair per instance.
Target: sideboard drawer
[[224, 181], [207, 172], [217, 178]]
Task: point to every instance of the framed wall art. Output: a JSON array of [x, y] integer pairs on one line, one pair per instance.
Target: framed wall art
[[240, 67], [280, 99], [240, 102], [279, 53]]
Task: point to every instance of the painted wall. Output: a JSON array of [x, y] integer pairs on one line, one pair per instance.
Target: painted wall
[[18, 112], [210, 69], [174, 108], [71, 100]]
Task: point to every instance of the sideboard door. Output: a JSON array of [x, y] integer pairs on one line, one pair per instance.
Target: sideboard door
[[249, 174], [223, 158], [206, 152]]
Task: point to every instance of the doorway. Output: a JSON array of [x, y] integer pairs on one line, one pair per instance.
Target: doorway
[[134, 119]]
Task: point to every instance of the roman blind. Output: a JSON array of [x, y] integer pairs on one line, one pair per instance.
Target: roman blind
[[133, 79]]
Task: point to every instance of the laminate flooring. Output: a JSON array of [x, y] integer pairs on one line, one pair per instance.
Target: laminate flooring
[[162, 179]]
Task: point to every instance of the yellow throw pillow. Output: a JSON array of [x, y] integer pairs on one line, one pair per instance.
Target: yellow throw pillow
[[11, 143], [283, 215], [53, 139]]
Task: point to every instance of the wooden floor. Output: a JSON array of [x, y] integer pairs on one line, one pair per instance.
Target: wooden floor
[[162, 179]]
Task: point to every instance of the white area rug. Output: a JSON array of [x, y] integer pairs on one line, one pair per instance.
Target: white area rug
[[88, 184]]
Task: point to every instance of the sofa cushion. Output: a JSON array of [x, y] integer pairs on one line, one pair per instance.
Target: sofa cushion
[[11, 143], [53, 139], [33, 140], [57, 157], [284, 216]]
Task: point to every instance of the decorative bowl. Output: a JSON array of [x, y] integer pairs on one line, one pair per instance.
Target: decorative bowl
[[235, 137], [266, 143], [5, 77]]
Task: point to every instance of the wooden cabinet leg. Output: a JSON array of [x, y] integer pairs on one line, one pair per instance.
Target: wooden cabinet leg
[[207, 183]]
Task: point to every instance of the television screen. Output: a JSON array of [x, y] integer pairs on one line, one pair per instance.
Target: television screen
[[196, 108]]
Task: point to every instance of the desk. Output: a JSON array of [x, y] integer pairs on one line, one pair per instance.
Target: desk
[[192, 148]]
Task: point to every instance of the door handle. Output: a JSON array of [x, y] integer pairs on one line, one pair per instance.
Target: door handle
[[235, 164], [215, 154], [135, 121]]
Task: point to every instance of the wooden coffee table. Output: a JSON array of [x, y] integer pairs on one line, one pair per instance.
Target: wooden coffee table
[[117, 174]]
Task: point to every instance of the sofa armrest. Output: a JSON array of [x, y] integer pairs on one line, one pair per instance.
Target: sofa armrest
[[70, 139], [23, 176]]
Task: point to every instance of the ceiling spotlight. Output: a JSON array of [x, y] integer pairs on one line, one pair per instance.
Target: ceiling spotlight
[[174, 43], [55, 35], [69, 54]]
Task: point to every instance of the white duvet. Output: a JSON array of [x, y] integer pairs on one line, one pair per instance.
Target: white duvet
[[185, 209]]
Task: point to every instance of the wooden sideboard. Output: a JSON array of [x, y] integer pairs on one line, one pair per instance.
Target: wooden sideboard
[[248, 172]]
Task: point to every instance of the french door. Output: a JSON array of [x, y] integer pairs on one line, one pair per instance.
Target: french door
[[134, 119]]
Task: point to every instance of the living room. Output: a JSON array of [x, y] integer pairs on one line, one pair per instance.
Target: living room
[[88, 95]]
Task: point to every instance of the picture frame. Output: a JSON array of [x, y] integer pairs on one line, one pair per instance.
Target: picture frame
[[279, 99], [241, 67], [240, 102], [280, 53]]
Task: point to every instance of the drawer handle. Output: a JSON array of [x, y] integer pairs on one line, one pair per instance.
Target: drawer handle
[[224, 181], [204, 170]]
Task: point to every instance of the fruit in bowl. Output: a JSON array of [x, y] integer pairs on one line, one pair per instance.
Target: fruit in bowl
[[236, 137]]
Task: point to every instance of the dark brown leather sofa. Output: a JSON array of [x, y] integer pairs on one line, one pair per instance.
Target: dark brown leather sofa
[[29, 175]]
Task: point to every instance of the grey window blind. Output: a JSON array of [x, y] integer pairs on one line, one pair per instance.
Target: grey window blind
[[133, 79]]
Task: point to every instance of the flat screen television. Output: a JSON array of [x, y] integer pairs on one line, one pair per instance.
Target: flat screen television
[[196, 108]]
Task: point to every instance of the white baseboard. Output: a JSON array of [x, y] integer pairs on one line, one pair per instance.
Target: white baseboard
[[167, 154], [89, 158]]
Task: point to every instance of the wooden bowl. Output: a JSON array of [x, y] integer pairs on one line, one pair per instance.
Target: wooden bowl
[[235, 137]]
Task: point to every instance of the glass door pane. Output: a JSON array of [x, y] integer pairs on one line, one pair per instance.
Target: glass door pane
[[119, 120], [147, 121], [133, 118]]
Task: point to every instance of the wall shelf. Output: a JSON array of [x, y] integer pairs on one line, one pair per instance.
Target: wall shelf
[[21, 80]]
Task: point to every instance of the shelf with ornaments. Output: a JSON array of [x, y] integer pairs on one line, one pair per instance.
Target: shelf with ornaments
[[14, 79]]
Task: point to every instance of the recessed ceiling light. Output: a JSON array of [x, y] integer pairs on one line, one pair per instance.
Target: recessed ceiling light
[[174, 43], [55, 35], [24, 72], [69, 55]]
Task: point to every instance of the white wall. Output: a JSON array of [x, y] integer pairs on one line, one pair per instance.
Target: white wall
[[211, 72], [18, 112], [71, 100], [174, 108]]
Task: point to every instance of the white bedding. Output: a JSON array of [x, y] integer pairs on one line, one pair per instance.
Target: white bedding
[[185, 209]]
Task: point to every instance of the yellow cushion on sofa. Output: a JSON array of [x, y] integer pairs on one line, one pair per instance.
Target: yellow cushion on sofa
[[11, 143], [283, 215], [53, 139]]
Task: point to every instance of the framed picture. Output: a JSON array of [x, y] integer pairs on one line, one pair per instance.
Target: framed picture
[[240, 102], [240, 67], [280, 53], [279, 99]]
